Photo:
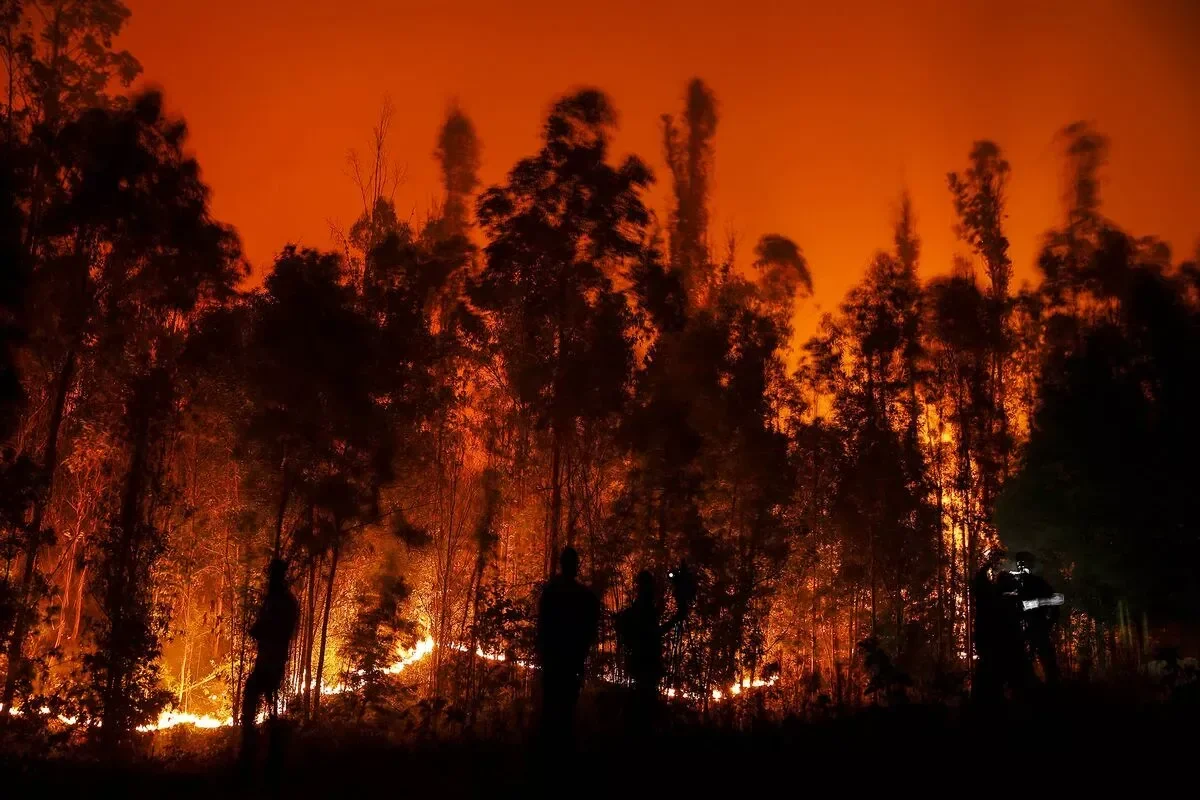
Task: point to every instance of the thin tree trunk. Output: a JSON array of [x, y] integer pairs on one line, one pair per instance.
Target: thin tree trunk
[[239, 683], [68, 581], [555, 501], [310, 635], [79, 604], [941, 577], [285, 495], [444, 599], [333, 565]]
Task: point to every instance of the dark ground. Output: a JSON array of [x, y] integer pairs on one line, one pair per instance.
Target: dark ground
[[1055, 747]]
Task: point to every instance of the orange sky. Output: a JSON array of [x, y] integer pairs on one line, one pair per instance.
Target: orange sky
[[827, 109]]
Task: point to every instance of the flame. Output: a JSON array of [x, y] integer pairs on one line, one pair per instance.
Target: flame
[[407, 657], [481, 653], [746, 683], [411, 656], [718, 695], [169, 719]]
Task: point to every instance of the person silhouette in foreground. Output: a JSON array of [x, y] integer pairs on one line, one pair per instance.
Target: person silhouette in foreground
[[272, 631], [1039, 612], [999, 649], [568, 615], [641, 637]]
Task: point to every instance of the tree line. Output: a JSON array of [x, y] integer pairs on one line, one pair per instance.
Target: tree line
[[419, 419]]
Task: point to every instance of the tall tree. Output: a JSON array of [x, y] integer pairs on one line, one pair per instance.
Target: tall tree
[[689, 150], [980, 196], [563, 229], [868, 357], [457, 154], [59, 61], [157, 257]]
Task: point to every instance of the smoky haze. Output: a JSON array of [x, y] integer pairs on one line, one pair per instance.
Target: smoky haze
[[825, 114]]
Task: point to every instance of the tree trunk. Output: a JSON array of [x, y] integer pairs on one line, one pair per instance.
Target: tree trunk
[[333, 564], [122, 572], [555, 501], [941, 577], [310, 635], [34, 533], [285, 494], [239, 683]]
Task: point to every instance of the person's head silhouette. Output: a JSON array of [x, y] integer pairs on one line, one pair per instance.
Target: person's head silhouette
[[568, 562], [277, 574], [644, 585]]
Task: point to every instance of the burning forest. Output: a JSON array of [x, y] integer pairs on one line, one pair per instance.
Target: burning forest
[[562, 397]]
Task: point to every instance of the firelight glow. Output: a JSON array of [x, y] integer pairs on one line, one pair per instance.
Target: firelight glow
[[826, 113]]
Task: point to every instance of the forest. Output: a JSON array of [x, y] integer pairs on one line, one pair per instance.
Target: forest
[[418, 419]]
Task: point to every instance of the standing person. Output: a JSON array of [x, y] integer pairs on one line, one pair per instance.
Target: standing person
[[272, 632], [568, 615], [1039, 613], [641, 635], [997, 633]]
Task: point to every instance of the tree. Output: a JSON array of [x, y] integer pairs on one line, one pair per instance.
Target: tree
[[158, 256], [1101, 490], [1105, 487], [457, 154], [313, 370], [69, 60], [868, 359], [376, 182], [564, 228], [59, 62], [979, 198], [14, 280], [689, 151]]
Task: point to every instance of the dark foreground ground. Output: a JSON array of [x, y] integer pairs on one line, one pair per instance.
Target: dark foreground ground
[[1056, 748]]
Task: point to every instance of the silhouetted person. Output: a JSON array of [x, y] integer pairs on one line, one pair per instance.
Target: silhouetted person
[[272, 631], [568, 614], [641, 636], [1039, 613], [999, 648]]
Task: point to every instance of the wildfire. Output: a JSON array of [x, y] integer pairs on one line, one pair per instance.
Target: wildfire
[[481, 653], [746, 683], [169, 719], [407, 657], [411, 656], [718, 694]]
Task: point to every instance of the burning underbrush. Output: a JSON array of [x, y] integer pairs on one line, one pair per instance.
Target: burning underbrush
[[402, 703]]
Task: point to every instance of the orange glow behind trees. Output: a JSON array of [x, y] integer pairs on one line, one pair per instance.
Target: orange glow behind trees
[[826, 112], [805, 358]]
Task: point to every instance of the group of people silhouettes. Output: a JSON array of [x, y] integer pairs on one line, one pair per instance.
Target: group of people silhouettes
[[1014, 615], [567, 628]]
